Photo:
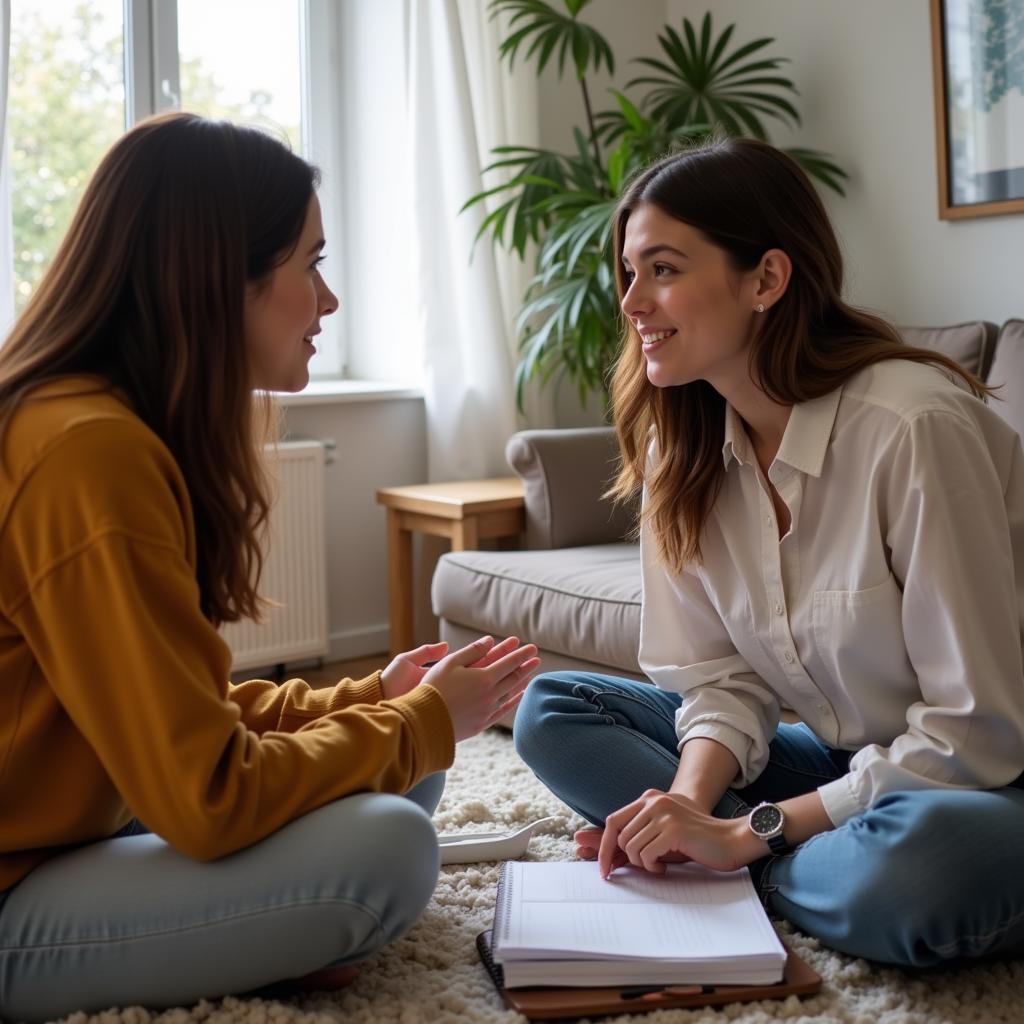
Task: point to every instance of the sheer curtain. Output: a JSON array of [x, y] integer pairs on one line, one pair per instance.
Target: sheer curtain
[[6, 238], [461, 104], [505, 114]]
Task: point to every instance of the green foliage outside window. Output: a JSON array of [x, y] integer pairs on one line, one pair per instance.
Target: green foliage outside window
[[65, 108]]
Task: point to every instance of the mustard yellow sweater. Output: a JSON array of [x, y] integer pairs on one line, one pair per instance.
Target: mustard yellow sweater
[[114, 699]]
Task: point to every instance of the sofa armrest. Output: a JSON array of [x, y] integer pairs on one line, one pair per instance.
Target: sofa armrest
[[564, 474]]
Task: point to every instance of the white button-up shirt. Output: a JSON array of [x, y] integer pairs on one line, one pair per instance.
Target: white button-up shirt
[[889, 615]]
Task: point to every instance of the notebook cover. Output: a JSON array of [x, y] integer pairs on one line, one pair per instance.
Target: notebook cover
[[799, 979]]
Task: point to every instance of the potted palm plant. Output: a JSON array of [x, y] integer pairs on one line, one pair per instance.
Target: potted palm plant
[[563, 202]]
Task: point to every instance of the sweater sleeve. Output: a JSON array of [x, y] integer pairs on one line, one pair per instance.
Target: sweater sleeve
[[266, 706], [105, 594]]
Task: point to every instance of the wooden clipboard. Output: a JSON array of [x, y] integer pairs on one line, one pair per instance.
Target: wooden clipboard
[[799, 979]]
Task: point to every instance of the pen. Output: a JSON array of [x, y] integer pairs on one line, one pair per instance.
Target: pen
[[650, 993]]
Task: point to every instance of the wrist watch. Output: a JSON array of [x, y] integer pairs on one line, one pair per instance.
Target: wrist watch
[[767, 821]]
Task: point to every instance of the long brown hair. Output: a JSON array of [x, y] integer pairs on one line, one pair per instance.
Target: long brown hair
[[746, 197], [147, 293]]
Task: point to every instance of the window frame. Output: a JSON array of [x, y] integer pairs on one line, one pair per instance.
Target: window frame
[[322, 132], [151, 79]]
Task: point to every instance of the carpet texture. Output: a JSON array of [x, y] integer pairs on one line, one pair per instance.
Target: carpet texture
[[432, 975]]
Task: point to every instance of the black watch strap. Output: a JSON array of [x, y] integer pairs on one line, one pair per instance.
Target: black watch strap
[[778, 845]]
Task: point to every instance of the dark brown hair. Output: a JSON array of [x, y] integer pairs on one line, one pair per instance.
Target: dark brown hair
[[746, 197], [147, 292]]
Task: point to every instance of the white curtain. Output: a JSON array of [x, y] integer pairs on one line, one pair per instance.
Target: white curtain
[[461, 104], [506, 113], [6, 239]]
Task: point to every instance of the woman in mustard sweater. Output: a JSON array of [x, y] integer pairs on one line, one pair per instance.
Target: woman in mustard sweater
[[165, 835]]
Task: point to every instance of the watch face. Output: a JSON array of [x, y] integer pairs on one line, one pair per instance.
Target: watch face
[[764, 821]]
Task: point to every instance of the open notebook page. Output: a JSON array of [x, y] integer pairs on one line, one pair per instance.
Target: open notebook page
[[565, 909]]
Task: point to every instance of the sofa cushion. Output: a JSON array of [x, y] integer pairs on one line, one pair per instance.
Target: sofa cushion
[[970, 344], [1008, 370], [458, 636], [582, 601]]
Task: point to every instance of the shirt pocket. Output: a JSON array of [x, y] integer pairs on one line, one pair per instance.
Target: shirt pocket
[[858, 635]]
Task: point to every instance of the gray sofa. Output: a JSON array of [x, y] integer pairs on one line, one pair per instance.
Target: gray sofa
[[574, 588]]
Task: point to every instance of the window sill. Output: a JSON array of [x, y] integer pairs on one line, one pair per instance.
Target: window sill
[[333, 392]]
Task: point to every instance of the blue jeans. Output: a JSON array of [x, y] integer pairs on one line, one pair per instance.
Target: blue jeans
[[129, 920], [918, 879]]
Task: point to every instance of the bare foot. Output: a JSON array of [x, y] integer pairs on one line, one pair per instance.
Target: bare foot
[[327, 979]]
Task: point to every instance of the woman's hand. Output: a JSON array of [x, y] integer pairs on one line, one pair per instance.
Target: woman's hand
[[406, 671], [659, 827], [588, 843], [482, 682]]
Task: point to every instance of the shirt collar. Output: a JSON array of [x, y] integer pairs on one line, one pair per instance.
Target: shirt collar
[[737, 444], [804, 442]]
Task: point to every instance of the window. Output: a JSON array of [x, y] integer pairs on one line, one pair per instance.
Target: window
[[254, 76], [83, 70], [65, 106]]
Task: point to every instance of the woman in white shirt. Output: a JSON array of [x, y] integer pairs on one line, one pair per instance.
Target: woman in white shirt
[[833, 523]]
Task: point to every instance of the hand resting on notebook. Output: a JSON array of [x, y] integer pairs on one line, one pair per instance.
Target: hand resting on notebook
[[659, 828], [588, 843]]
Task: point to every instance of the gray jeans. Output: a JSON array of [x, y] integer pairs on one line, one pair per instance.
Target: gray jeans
[[130, 921]]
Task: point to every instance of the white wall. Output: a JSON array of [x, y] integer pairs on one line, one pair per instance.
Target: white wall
[[379, 443], [865, 79]]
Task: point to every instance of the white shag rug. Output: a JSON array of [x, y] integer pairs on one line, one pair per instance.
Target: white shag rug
[[432, 975]]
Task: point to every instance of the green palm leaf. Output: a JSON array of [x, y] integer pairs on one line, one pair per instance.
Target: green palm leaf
[[701, 80], [821, 166], [537, 175], [550, 29]]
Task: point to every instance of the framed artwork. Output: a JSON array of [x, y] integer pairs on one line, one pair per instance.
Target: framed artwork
[[978, 64]]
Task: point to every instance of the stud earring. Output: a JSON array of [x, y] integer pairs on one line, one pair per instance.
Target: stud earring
[[760, 307]]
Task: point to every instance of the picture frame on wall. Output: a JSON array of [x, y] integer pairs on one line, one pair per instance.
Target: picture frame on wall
[[978, 66]]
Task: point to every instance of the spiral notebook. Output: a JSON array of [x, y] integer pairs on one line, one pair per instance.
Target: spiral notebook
[[568, 943], [561, 923]]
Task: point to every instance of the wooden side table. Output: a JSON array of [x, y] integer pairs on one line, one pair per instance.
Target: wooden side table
[[465, 512]]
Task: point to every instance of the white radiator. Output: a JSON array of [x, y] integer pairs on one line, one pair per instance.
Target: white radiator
[[295, 570]]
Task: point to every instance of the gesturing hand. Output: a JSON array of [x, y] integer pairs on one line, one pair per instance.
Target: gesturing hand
[[406, 671], [482, 682], [658, 827]]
